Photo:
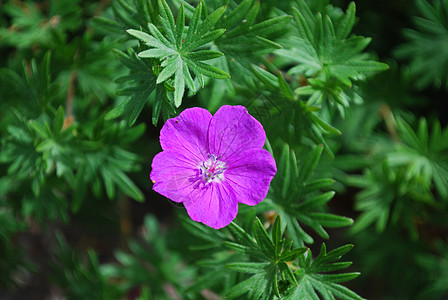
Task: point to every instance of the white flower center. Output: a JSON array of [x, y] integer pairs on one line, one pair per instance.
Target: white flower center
[[212, 170]]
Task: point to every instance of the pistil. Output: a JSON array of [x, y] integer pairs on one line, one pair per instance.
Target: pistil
[[212, 170]]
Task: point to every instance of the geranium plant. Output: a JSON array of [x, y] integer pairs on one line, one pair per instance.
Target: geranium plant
[[223, 149]]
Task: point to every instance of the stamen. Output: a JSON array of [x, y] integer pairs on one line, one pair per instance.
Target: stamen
[[212, 170]]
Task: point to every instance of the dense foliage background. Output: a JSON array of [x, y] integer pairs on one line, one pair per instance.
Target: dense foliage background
[[351, 96]]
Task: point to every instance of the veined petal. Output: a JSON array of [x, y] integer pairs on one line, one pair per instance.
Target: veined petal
[[174, 174], [212, 163], [250, 174], [233, 130], [214, 205], [187, 132]]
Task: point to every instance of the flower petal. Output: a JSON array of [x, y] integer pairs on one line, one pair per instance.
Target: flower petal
[[174, 175], [250, 174], [232, 130], [187, 132], [215, 206]]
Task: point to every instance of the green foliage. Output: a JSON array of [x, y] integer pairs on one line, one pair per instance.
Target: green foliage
[[267, 263], [313, 277], [173, 56], [424, 154], [80, 276], [275, 267], [150, 264], [90, 66], [177, 50], [399, 251], [11, 256], [398, 189], [125, 15], [143, 80], [33, 81], [44, 150], [328, 58], [427, 66], [437, 267], [268, 260], [244, 38], [32, 27], [299, 198], [249, 36], [230, 41], [278, 103], [384, 197], [79, 80]]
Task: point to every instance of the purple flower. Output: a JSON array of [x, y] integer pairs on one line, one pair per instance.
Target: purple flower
[[212, 163]]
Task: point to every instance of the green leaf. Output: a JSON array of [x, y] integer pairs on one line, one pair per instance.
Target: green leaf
[[347, 22], [150, 40], [332, 221], [292, 254], [285, 166], [41, 130], [237, 14], [324, 125], [244, 286], [179, 84], [328, 57], [113, 175], [264, 76], [241, 235], [117, 111], [58, 122], [204, 55], [310, 163], [236, 247], [314, 278], [108, 25], [315, 202], [276, 234], [156, 53], [302, 25], [209, 70], [248, 267], [129, 9], [170, 66], [210, 21], [180, 25], [108, 184], [194, 23], [299, 199], [179, 56], [262, 237], [144, 83], [284, 87], [267, 260], [318, 184], [167, 16], [269, 26], [426, 66], [128, 186]]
